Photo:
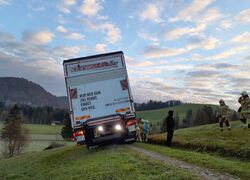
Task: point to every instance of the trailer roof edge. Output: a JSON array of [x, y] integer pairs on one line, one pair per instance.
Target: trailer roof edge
[[94, 56]]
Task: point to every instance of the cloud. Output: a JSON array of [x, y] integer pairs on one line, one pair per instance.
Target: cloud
[[225, 66], [90, 7], [75, 36], [65, 52], [61, 29], [152, 13], [38, 38], [226, 24], [69, 35], [199, 15], [36, 63], [207, 43], [144, 63], [243, 38], [209, 16], [160, 52], [69, 2], [113, 32], [192, 11], [228, 53], [203, 73], [243, 16], [65, 5], [101, 48], [37, 9], [145, 36], [178, 32], [4, 2]]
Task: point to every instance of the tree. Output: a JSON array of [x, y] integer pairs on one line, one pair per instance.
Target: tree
[[188, 119], [209, 111], [67, 131], [201, 118], [14, 134], [177, 120]]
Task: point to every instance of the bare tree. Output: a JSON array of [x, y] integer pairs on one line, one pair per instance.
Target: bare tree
[[14, 134]]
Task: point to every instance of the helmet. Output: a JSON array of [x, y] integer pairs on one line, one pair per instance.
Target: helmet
[[244, 93], [221, 101]]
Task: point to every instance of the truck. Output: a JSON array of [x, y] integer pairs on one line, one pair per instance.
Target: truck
[[101, 105]]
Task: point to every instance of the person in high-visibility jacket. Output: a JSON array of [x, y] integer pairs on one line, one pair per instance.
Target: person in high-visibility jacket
[[138, 132], [223, 113], [244, 110], [146, 130]]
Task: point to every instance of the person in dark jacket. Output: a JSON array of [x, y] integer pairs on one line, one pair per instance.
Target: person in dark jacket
[[170, 127]]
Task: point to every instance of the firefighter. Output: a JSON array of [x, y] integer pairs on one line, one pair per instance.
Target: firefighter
[[244, 110], [170, 127], [146, 130], [223, 113], [138, 132]]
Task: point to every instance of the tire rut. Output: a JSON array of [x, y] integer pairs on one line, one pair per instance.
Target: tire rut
[[202, 173]]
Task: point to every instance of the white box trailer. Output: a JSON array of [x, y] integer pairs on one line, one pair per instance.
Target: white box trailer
[[100, 100]]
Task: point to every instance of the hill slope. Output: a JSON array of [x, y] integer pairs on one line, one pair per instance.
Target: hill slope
[[156, 116], [209, 138], [115, 162], [22, 91]]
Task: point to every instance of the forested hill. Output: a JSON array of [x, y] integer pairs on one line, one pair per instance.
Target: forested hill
[[22, 91]]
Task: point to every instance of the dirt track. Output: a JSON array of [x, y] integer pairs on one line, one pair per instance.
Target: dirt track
[[203, 173]]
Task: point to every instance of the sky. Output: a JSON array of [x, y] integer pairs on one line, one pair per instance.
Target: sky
[[196, 51]]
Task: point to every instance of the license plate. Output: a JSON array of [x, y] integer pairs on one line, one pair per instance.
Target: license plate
[[131, 128], [80, 138]]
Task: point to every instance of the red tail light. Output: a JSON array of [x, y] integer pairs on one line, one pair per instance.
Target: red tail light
[[129, 123], [78, 133]]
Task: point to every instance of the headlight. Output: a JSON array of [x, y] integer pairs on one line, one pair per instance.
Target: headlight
[[100, 128], [118, 127]]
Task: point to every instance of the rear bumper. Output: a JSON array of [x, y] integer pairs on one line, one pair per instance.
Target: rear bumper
[[107, 138]]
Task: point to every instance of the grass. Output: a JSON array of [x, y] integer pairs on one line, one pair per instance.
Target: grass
[[113, 162], [209, 138], [156, 116], [41, 129], [41, 137], [232, 166]]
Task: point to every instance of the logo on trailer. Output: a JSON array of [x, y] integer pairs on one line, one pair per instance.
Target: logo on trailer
[[73, 93], [101, 65]]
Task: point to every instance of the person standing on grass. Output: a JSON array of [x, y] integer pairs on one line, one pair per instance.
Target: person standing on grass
[[244, 110], [146, 130], [138, 132], [223, 113], [170, 127]]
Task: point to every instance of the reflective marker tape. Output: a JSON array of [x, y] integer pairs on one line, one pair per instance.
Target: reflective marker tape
[[82, 117], [122, 109]]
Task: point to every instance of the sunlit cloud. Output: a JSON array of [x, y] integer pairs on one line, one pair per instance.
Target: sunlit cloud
[[75, 36], [243, 16], [242, 38], [113, 33], [101, 48], [228, 53], [38, 38], [193, 10], [64, 5], [90, 7], [152, 13], [147, 37], [61, 29]]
